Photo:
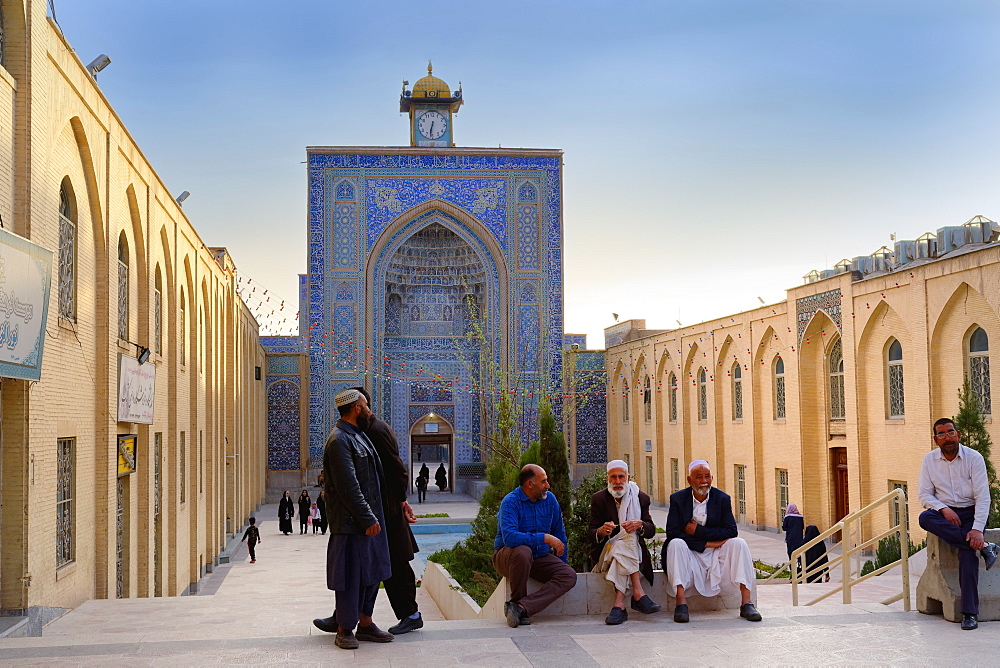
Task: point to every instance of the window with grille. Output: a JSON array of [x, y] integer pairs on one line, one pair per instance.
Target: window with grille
[[979, 368], [675, 475], [65, 511], [625, 401], [897, 508], [182, 352], [673, 398], [67, 254], [737, 379], [158, 314], [122, 288], [741, 492], [779, 389], [782, 479], [894, 379], [647, 401], [702, 395], [649, 476], [182, 468], [836, 367]]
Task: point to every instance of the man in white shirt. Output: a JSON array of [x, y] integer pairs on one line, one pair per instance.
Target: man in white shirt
[[955, 490]]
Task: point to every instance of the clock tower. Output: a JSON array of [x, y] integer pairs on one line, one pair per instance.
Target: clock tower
[[432, 107]]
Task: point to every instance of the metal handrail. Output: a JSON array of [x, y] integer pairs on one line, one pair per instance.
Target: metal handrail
[[852, 522]]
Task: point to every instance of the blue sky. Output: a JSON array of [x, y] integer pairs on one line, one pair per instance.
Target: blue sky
[[715, 151]]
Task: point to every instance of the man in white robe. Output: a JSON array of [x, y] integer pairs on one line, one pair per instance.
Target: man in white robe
[[619, 524], [703, 549]]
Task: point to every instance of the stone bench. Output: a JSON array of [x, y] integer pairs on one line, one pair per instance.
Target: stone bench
[[593, 595], [938, 592]]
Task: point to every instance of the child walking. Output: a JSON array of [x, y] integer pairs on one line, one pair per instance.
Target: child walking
[[252, 537], [317, 519]]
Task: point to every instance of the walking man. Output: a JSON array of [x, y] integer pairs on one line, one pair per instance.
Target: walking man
[[531, 543], [956, 492], [357, 554], [401, 588]]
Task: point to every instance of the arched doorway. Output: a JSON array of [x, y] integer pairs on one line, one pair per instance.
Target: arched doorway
[[432, 444]]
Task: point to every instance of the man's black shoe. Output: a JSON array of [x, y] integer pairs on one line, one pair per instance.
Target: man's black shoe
[[990, 552], [372, 633], [645, 605], [329, 625], [749, 612], [525, 619], [406, 625], [969, 623], [681, 615], [512, 611], [616, 616]]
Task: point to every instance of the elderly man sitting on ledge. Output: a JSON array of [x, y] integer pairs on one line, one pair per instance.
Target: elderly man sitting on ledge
[[619, 521], [703, 550]]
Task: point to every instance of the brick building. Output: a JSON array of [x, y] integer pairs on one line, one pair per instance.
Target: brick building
[[109, 488], [826, 398]]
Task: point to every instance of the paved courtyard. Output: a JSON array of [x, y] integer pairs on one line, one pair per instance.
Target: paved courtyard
[[260, 614]]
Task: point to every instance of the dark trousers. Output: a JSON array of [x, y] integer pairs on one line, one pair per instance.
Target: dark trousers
[[934, 522], [251, 544], [401, 589], [517, 565], [354, 603], [421, 495]]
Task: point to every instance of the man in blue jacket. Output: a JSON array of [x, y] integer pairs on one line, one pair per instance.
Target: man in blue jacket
[[703, 549], [531, 543]]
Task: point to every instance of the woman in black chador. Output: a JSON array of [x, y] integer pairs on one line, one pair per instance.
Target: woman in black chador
[[441, 478], [816, 557], [793, 525], [305, 505], [286, 511]]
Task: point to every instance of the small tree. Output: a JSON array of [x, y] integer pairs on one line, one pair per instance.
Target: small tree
[[972, 423], [553, 456], [579, 521]]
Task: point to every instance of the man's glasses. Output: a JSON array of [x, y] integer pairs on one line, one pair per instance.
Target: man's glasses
[[942, 434]]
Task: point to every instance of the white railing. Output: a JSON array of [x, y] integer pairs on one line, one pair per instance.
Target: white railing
[[851, 544]]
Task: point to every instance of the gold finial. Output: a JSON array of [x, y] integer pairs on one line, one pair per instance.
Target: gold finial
[[430, 68]]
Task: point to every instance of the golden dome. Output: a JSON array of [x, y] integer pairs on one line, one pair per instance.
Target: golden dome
[[431, 86]]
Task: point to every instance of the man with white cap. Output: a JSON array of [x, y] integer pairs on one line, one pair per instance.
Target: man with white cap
[[357, 555], [619, 522], [703, 549]]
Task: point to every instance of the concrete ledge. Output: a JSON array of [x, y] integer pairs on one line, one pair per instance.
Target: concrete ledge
[[938, 592], [592, 595], [14, 627]]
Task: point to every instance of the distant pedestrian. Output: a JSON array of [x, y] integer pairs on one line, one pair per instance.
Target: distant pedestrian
[[304, 506], [816, 559], [252, 537], [793, 525], [421, 489], [321, 502], [315, 517], [419, 453], [425, 472], [441, 477], [286, 511]]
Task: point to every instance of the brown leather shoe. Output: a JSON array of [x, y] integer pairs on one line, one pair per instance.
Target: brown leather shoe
[[372, 633], [345, 639]]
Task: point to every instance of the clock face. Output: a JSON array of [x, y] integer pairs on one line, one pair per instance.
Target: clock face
[[432, 124]]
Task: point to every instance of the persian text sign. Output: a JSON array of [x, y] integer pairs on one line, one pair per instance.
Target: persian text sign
[[25, 278], [136, 385]]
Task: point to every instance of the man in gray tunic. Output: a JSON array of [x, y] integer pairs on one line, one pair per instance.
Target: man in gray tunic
[[357, 556]]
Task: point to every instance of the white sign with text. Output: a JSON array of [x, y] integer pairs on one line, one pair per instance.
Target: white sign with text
[[25, 275], [136, 389]]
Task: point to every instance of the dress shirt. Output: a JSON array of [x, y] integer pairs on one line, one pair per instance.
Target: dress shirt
[[959, 483], [699, 512], [522, 521]]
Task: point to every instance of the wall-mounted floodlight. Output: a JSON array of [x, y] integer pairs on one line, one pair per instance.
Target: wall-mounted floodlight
[[183, 196], [142, 353], [98, 64]]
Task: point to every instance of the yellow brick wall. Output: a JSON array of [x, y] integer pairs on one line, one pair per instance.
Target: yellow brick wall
[[74, 136], [930, 308]]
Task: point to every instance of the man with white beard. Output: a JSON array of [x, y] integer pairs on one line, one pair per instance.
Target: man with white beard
[[703, 550], [619, 522]]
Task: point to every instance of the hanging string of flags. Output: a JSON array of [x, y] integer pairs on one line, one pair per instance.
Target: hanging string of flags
[[275, 315]]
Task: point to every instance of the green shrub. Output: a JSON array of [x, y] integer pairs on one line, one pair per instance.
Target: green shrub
[[889, 551]]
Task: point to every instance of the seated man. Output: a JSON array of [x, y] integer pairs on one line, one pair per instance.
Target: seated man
[[529, 529], [619, 520], [702, 548], [956, 492]]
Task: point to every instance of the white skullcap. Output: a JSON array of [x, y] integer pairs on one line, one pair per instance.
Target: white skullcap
[[618, 464], [698, 462], [345, 397]]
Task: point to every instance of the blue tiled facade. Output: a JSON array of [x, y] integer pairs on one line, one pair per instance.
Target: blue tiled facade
[[410, 253]]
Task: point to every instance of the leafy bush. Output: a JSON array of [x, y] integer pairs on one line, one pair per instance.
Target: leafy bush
[[888, 552], [579, 520]]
